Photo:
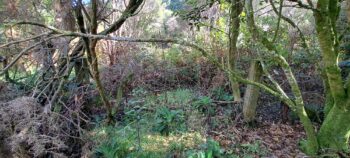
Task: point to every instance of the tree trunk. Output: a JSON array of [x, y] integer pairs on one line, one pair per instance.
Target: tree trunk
[[236, 9], [297, 104], [335, 130], [251, 94], [82, 72], [93, 61], [348, 11], [7, 74], [329, 101]]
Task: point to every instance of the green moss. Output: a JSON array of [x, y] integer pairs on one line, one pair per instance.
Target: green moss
[[335, 130]]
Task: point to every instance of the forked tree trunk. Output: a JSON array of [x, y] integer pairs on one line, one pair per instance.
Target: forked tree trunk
[[251, 94], [335, 130], [90, 44]]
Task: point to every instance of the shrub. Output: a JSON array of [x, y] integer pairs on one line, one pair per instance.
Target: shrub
[[169, 121], [204, 105]]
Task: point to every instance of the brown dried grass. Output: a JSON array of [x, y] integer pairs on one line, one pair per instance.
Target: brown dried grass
[[27, 131]]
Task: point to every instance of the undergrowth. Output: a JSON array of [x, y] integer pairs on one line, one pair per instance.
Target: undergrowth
[[159, 125]]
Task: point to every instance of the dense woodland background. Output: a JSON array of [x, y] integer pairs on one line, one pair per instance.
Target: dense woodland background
[[174, 78]]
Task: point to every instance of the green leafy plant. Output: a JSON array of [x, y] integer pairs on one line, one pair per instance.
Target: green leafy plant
[[252, 150], [117, 144], [211, 149], [179, 97], [169, 121], [204, 105], [220, 94]]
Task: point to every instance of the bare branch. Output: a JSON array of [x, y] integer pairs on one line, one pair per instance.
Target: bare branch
[[292, 24], [24, 40], [153, 40], [25, 51], [279, 19], [129, 11]]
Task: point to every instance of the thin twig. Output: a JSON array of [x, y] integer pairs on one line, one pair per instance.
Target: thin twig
[[25, 51], [24, 40]]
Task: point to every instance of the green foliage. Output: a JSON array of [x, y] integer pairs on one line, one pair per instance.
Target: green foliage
[[204, 105], [117, 144], [211, 149], [178, 98], [174, 55], [176, 146], [161, 118], [169, 121], [253, 149], [220, 94], [313, 111], [122, 143]]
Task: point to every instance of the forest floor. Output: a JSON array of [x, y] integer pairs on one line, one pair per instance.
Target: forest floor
[[142, 117], [268, 137], [280, 140]]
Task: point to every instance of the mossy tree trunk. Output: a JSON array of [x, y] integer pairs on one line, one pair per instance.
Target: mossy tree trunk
[[235, 11], [348, 11], [251, 94], [296, 104], [335, 130]]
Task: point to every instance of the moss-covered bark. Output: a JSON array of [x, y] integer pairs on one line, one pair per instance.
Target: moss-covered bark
[[311, 146], [236, 9], [335, 130], [327, 39], [251, 94], [297, 105], [348, 11], [329, 98]]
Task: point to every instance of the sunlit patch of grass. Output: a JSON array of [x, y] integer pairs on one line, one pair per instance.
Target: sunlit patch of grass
[[127, 141], [163, 144]]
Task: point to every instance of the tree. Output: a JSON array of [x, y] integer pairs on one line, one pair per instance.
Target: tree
[[335, 130], [236, 8], [251, 94], [90, 44], [87, 23]]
